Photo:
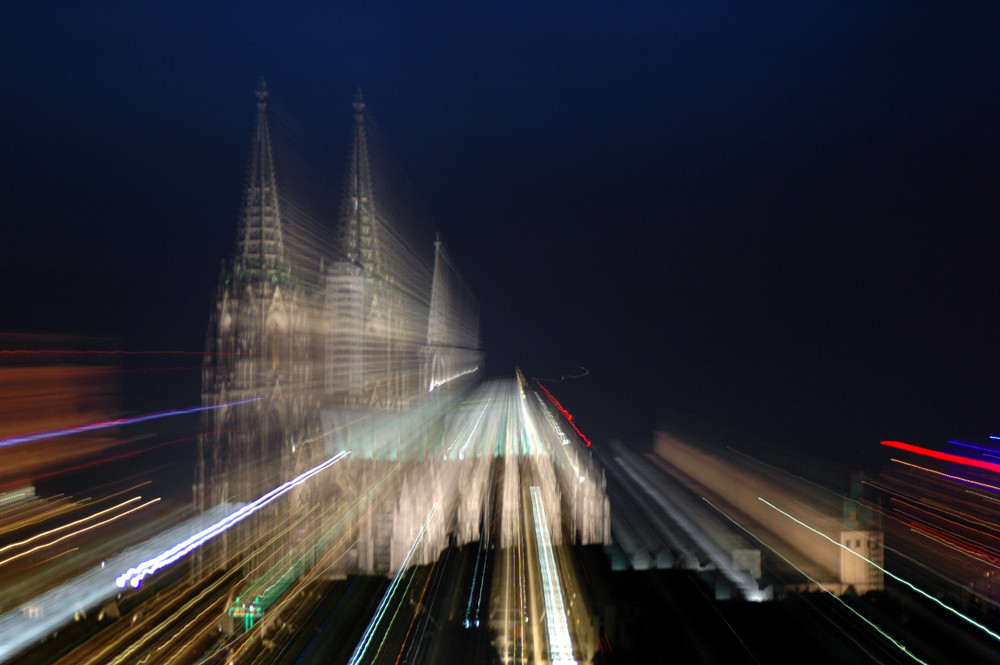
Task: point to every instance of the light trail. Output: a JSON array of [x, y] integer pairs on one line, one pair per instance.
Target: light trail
[[950, 541], [179, 632], [566, 414], [527, 442], [899, 579], [560, 642], [991, 452], [687, 522], [472, 430], [522, 588], [67, 469], [434, 385], [899, 645], [552, 421], [46, 613], [105, 424], [158, 626], [392, 621], [413, 655], [369, 633], [946, 475], [947, 457], [77, 532], [931, 515], [134, 576], [54, 557], [41, 510], [113, 352], [472, 588], [289, 597], [68, 525], [484, 537], [482, 554]]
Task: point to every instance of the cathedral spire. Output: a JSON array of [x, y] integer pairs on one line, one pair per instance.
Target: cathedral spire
[[358, 223], [260, 246]]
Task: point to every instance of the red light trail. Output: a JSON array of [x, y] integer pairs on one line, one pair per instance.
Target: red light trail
[[566, 414], [947, 457]]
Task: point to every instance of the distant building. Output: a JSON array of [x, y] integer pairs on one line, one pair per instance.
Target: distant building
[[831, 541]]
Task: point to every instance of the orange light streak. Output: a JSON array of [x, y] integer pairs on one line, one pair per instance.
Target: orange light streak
[[76, 533], [68, 525]]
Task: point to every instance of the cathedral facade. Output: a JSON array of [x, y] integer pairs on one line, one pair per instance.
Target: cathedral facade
[[298, 351]]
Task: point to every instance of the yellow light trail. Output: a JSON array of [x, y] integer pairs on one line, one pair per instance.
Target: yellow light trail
[[946, 475], [76, 533], [160, 626], [68, 525]]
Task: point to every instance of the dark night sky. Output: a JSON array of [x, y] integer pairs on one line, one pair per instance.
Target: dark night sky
[[778, 217]]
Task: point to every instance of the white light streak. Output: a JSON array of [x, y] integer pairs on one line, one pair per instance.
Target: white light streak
[[434, 384], [133, 576], [45, 614], [366, 639], [560, 643]]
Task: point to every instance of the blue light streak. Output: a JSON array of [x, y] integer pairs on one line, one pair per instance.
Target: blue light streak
[[369, 633], [105, 424], [991, 452]]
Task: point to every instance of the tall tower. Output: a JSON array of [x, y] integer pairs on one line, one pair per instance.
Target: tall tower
[[261, 364], [260, 246], [377, 295], [358, 231]]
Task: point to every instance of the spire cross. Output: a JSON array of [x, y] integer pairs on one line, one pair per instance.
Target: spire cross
[[261, 92], [359, 104]]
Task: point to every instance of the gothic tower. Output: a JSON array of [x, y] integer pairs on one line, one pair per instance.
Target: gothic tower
[[377, 295], [262, 362]]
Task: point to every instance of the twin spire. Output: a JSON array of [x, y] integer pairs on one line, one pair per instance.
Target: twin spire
[[260, 245]]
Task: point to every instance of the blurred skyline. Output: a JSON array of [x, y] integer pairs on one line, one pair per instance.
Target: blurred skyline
[[778, 218]]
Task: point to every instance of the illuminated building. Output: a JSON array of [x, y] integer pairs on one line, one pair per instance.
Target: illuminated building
[[371, 329]]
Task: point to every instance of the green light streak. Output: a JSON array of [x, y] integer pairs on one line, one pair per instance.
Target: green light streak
[[899, 579], [881, 632]]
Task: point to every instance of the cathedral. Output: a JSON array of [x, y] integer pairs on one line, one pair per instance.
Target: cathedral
[[303, 354]]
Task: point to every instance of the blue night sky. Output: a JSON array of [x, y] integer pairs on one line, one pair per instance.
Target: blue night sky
[[779, 217]]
